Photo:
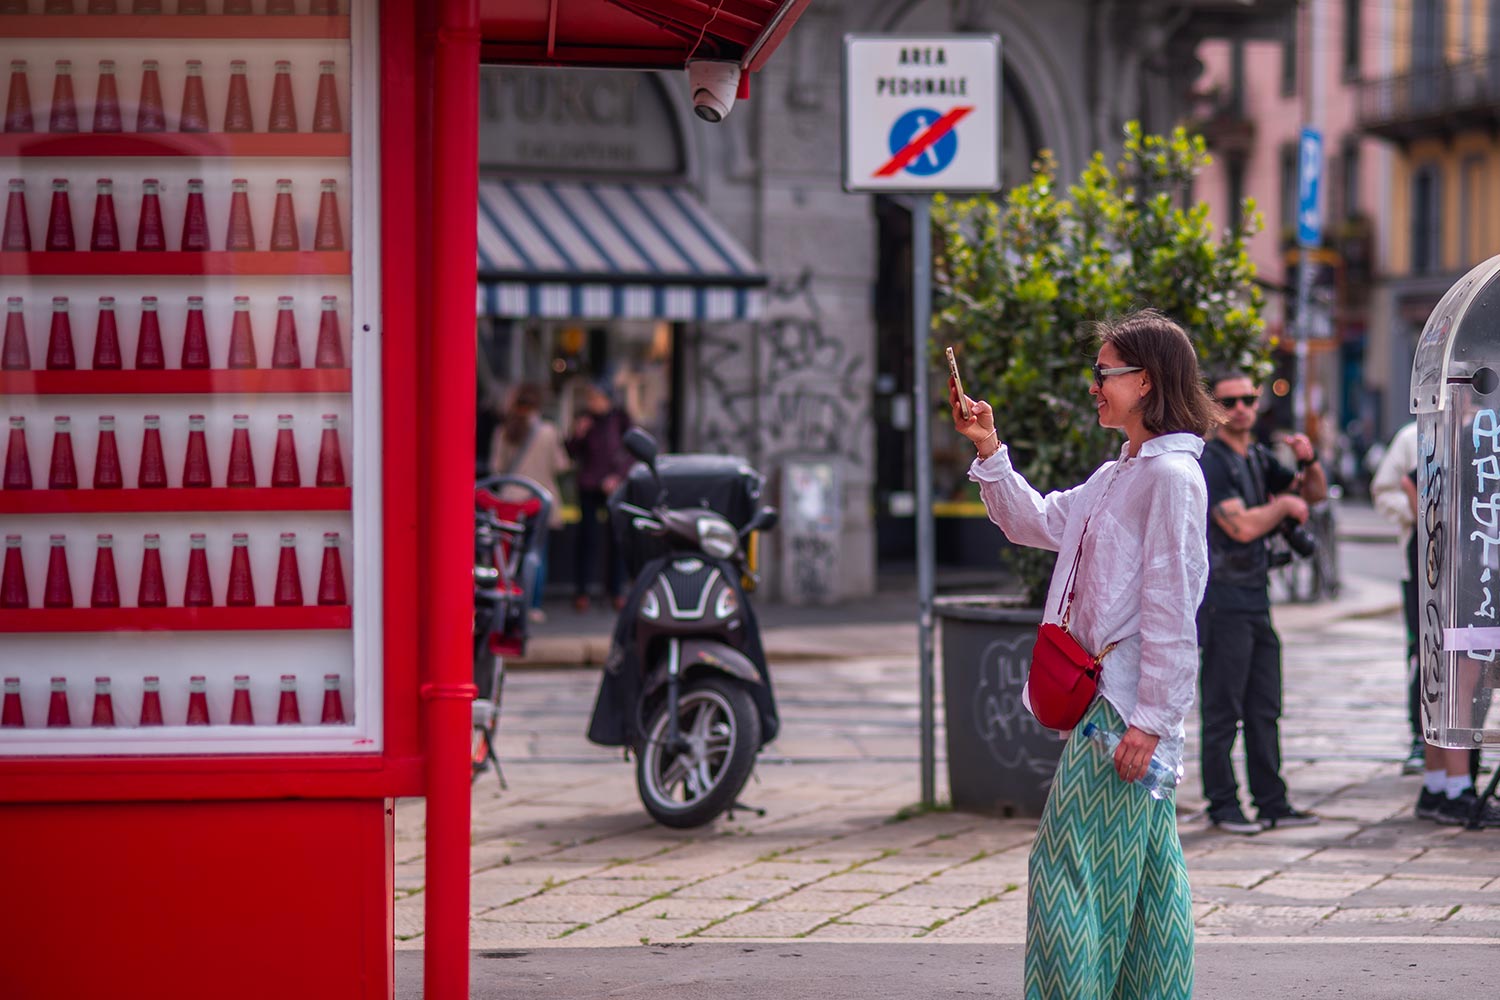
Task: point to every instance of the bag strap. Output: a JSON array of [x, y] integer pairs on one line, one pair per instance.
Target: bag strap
[[1070, 587]]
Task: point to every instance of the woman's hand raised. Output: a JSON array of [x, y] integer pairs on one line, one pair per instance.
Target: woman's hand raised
[[980, 425]]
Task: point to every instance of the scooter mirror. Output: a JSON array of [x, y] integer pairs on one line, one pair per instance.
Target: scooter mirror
[[641, 445], [764, 519]]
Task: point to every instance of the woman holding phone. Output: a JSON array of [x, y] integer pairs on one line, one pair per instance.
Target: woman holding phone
[[1109, 913]]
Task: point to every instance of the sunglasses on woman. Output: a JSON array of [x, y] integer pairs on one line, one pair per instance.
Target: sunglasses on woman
[[1100, 374]]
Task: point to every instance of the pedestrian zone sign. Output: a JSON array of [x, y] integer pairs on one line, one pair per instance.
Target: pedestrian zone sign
[[921, 113]]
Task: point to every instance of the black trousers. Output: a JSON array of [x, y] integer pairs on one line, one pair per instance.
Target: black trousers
[[1240, 689], [1413, 676], [596, 541]]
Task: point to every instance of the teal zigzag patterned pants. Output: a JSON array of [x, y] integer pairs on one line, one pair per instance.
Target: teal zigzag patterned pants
[[1109, 913]]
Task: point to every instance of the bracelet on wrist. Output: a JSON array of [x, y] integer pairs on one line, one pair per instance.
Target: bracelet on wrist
[[978, 445], [1303, 463]]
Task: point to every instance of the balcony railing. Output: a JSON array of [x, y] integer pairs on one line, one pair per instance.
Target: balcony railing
[[1439, 100]]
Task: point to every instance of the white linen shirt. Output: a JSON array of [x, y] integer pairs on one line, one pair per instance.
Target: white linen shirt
[[1141, 578]]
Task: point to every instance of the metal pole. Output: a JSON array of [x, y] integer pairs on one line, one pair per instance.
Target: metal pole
[[1303, 332], [921, 321]]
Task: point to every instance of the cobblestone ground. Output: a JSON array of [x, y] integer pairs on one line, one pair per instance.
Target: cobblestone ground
[[568, 857]]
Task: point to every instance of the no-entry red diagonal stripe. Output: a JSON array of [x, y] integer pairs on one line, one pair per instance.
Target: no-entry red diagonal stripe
[[922, 140]]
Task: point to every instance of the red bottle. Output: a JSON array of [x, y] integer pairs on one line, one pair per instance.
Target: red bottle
[[284, 470], [153, 590], [194, 117], [287, 712], [330, 350], [150, 700], [331, 576], [60, 355], [150, 115], [57, 707], [284, 351], [195, 336], [107, 100], [326, 117], [241, 590], [241, 234], [199, 592], [60, 218], [195, 472], [150, 233], [153, 474], [241, 464], [148, 349], [330, 458], [64, 473], [237, 111], [241, 339], [240, 712], [283, 108], [64, 107], [17, 227], [104, 704], [11, 715], [288, 574], [18, 100], [107, 337], [197, 713], [284, 221], [333, 701], [195, 219], [106, 234], [330, 232], [59, 590], [106, 593], [16, 354], [17, 458], [107, 457], [13, 593]]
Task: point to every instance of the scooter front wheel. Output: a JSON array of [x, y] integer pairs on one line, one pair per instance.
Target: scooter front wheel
[[721, 733]]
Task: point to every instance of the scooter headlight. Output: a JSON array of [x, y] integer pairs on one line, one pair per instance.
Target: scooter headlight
[[726, 604], [717, 538]]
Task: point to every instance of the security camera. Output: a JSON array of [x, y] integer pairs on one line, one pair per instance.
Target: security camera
[[714, 83]]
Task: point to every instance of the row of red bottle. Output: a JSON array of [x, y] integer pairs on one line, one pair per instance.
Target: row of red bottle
[[151, 593], [105, 236], [63, 470], [15, 353], [241, 713], [150, 115]]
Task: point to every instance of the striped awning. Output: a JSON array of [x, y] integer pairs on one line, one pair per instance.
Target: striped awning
[[601, 250]]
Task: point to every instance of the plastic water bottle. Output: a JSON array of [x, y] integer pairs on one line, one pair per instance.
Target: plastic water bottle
[[1159, 779]]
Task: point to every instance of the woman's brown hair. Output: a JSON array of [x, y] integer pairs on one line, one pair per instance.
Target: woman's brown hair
[[525, 403], [1177, 399]]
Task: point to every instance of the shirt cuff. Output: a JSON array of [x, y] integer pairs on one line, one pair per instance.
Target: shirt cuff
[[992, 469]]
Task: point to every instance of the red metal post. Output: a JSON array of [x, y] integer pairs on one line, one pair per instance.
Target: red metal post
[[448, 689]]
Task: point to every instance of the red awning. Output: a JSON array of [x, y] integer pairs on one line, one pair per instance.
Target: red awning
[[648, 34]]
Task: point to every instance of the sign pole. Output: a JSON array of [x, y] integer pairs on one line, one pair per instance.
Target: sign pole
[[1309, 235], [921, 318]]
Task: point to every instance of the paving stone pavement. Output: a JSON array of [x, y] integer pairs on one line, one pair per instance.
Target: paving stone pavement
[[567, 856]]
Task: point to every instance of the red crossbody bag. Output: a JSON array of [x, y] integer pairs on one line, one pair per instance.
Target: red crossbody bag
[[1064, 677]]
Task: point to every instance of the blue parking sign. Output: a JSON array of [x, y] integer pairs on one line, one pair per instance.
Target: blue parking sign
[[1309, 179]]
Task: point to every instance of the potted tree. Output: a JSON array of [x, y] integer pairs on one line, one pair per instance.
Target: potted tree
[[1019, 282]]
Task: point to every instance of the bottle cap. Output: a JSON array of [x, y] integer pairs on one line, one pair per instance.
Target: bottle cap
[[151, 683], [101, 684], [18, 65], [239, 185], [283, 420], [106, 65], [59, 303], [13, 304], [288, 538], [17, 184], [288, 682], [236, 65], [195, 422], [196, 684], [197, 541], [12, 683], [242, 682], [195, 185], [151, 185], [17, 423], [283, 66], [330, 302], [58, 540], [330, 538], [149, 65], [148, 303], [152, 421], [14, 541], [64, 66], [329, 184], [106, 541], [106, 302], [152, 541], [242, 302], [195, 302], [331, 680], [194, 67], [106, 186], [241, 420], [59, 683], [330, 419], [283, 187], [62, 425], [240, 538], [106, 423], [324, 66]]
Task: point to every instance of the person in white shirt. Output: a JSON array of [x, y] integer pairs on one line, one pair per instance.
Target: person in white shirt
[[1388, 491], [1109, 912]]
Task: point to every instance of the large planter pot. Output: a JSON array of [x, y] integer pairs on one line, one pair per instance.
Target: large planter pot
[[1000, 759]]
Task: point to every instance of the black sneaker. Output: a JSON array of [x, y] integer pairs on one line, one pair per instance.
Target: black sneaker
[[1457, 812], [1288, 817], [1234, 821], [1416, 760], [1429, 804]]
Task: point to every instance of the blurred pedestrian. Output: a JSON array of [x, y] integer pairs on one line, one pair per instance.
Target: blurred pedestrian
[[1251, 497], [596, 443], [1109, 911], [1388, 490], [527, 444]]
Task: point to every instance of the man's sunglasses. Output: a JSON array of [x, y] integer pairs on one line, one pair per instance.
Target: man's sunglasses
[[1100, 374], [1229, 402]]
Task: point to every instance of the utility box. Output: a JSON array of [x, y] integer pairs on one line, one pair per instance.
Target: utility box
[[1455, 394]]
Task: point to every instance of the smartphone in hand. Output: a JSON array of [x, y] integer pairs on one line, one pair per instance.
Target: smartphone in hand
[[958, 383]]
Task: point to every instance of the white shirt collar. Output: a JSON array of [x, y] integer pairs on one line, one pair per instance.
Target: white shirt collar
[[1164, 443]]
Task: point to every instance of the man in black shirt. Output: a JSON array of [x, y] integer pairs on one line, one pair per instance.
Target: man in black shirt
[[1240, 683]]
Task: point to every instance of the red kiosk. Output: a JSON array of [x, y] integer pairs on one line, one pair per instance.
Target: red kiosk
[[238, 259]]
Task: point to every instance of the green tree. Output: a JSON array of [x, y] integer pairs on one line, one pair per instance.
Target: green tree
[[1020, 284]]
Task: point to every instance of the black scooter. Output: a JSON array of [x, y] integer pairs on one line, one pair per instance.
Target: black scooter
[[685, 687]]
